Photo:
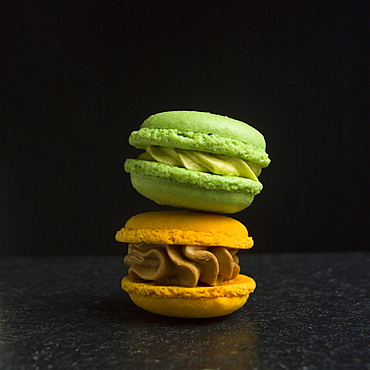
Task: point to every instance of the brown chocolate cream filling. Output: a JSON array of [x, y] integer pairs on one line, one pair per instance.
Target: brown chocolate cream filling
[[182, 265]]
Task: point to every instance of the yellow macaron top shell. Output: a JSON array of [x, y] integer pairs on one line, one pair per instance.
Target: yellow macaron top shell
[[185, 228]]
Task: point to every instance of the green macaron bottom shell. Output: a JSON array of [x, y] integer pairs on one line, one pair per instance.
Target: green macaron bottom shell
[[182, 188], [172, 193]]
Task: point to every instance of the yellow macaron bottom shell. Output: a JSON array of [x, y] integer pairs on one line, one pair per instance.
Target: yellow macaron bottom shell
[[197, 302]]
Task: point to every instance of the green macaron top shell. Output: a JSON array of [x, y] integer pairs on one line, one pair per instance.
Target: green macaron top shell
[[202, 131], [206, 123]]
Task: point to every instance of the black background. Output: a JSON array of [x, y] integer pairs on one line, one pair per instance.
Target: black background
[[79, 76]]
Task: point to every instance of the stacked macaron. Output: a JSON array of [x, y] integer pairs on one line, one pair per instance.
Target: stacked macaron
[[183, 263]]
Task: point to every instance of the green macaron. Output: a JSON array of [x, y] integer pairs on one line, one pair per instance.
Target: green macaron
[[198, 160]]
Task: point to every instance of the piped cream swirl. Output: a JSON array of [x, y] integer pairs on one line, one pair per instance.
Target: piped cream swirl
[[182, 265], [204, 162]]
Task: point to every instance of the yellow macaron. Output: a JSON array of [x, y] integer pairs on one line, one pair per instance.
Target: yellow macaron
[[178, 229]]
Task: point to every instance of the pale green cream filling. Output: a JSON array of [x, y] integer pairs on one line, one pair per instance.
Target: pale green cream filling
[[205, 162]]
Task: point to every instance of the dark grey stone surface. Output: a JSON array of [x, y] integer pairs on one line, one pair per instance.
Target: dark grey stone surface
[[309, 311]]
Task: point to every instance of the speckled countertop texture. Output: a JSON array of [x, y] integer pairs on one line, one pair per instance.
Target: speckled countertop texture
[[309, 311]]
